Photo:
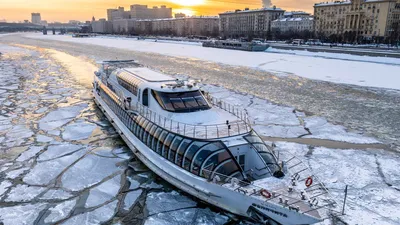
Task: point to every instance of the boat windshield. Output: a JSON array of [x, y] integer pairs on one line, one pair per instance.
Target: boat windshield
[[181, 101], [266, 154]]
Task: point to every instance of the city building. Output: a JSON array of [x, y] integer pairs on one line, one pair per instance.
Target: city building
[[180, 15], [139, 12], [187, 26], [248, 23], [357, 20], [102, 26], [143, 12], [294, 22], [36, 18]]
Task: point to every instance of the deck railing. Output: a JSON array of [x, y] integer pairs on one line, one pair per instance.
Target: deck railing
[[315, 198], [213, 131]]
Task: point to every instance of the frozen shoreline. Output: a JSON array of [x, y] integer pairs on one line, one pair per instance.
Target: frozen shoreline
[[369, 74]]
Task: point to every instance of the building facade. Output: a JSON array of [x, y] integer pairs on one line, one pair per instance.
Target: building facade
[[188, 26], [36, 18], [248, 23], [357, 20], [102, 26], [139, 12], [295, 22]]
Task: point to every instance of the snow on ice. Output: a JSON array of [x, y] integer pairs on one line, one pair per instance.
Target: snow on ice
[[333, 70]]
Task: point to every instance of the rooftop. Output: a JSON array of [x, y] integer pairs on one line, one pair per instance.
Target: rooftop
[[253, 10], [346, 2], [148, 75], [294, 19]]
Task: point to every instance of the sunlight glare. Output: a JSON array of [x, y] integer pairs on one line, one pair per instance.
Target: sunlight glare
[[188, 2]]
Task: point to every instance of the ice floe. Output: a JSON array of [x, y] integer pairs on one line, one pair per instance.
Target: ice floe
[[4, 186], [43, 139], [21, 214], [23, 193], [60, 211], [187, 217], [163, 202], [130, 199], [104, 192], [78, 131], [56, 194], [60, 117], [89, 171], [94, 217], [31, 152], [321, 129], [55, 151], [44, 172], [15, 173]]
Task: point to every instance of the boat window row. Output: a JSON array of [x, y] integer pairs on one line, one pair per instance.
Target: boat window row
[[201, 158], [129, 82], [191, 101], [232, 44]]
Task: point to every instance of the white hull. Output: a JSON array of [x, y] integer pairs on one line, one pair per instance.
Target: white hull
[[220, 196]]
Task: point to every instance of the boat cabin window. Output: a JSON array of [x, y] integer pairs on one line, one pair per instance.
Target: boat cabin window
[[182, 101], [145, 97], [129, 82]]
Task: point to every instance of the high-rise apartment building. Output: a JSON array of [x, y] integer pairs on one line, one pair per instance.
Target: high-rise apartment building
[[143, 12], [357, 20], [36, 18], [139, 12], [248, 23]]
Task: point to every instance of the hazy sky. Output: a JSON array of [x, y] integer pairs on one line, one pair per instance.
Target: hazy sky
[[64, 10]]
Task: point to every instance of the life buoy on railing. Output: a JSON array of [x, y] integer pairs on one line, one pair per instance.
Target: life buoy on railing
[[265, 193], [309, 181]]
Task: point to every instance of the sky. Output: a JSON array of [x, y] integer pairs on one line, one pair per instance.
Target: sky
[[65, 10]]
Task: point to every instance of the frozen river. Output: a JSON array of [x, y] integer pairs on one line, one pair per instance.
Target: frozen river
[[61, 161]]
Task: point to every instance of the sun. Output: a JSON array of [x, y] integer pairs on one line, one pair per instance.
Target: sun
[[188, 2]]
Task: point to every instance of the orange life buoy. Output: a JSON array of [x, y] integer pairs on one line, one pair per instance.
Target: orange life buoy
[[309, 181], [265, 193]]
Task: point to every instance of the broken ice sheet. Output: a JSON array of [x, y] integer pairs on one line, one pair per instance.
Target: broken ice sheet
[[89, 171], [78, 131], [187, 217], [21, 214], [60, 211], [44, 172], [4, 186], [104, 192], [55, 151], [60, 117], [280, 131], [130, 198], [24, 193], [163, 201], [31, 152], [322, 129], [15, 173], [43, 139], [94, 217], [56, 194]]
